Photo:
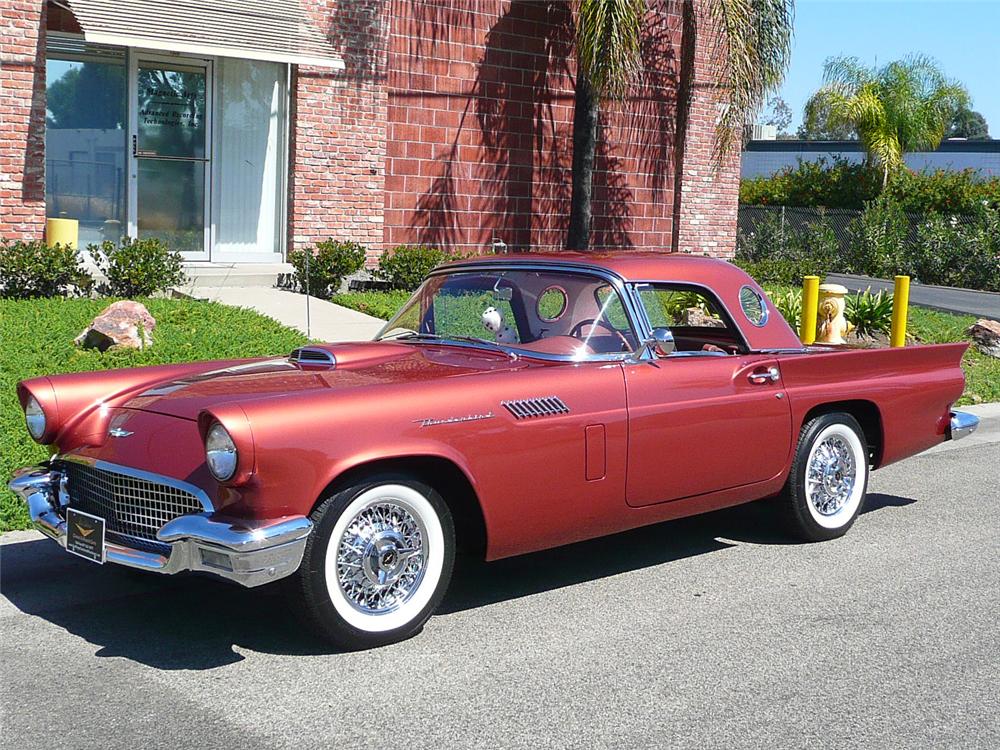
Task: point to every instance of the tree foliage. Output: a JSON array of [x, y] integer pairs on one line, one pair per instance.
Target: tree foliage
[[89, 96], [778, 114], [754, 45], [753, 42], [969, 124], [902, 106]]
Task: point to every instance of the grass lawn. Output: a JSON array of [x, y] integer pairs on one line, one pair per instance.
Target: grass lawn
[[982, 373], [379, 304], [36, 338]]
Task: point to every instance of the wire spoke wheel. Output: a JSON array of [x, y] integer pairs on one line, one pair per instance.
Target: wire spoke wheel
[[380, 558], [828, 480], [379, 562], [830, 475]]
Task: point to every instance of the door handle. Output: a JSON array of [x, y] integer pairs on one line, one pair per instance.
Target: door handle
[[772, 375]]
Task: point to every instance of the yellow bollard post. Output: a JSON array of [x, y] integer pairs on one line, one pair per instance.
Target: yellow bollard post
[[62, 232], [810, 302], [900, 306]]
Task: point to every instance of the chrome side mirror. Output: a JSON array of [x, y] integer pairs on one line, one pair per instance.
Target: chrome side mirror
[[660, 343]]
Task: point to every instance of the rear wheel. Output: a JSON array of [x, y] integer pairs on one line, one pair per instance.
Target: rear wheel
[[828, 481], [378, 562]]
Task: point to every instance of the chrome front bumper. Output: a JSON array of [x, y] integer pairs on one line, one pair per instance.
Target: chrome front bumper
[[246, 551], [962, 425]]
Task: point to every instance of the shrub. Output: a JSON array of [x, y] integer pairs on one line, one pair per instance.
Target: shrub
[[877, 238], [789, 304], [869, 313], [404, 267], [137, 268], [951, 252], [329, 262], [780, 254], [33, 269]]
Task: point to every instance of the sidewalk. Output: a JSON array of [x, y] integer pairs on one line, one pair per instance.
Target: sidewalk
[[949, 299], [327, 321]]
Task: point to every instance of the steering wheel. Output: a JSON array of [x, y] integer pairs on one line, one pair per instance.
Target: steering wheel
[[577, 330]]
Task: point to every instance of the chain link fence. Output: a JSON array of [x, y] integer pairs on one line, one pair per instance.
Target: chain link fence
[[791, 220]]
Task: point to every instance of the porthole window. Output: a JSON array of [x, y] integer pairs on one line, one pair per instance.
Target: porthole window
[[753, 305], [552, 304]]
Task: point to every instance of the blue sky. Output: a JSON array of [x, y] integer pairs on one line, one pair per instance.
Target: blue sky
[[964, 37]]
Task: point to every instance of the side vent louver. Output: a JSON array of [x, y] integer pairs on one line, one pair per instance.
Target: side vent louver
[[535, 407], [307, 355]]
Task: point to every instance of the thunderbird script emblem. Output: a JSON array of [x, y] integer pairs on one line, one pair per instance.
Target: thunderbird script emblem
[[119, 432]]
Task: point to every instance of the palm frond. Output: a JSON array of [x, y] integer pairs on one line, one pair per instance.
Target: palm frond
[[608, 43], [754, 45]]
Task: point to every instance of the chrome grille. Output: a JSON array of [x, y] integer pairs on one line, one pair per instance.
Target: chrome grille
[[535, 407], [130, 506]]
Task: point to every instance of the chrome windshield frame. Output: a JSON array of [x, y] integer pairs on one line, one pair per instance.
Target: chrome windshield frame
[[636, 321]]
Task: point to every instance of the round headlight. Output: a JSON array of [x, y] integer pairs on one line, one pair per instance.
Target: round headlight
[[34, 417], [220, 453]]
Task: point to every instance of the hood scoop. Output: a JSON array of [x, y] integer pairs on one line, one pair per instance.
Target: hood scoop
[[313, 357]]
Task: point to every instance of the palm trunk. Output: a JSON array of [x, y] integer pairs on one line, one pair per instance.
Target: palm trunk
[[585, 121]]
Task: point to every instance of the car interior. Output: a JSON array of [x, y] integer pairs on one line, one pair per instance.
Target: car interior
[[572, 314]]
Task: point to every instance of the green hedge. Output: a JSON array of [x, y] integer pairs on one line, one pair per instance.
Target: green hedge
[[838, 183]]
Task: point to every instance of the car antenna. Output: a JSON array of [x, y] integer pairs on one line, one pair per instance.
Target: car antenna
[[308, 332]]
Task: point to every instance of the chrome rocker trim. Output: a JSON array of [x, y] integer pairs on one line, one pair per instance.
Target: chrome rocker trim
[[962, 425], [248, 552]]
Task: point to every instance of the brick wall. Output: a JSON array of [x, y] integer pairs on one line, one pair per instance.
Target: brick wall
[[338, 138], [480, 126], [22, 113], [709, 191], [452, 124]]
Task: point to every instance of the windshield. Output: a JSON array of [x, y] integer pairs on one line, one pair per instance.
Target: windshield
[[555, 313]]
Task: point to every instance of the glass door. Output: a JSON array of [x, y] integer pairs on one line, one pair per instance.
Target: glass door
[[169, 176]]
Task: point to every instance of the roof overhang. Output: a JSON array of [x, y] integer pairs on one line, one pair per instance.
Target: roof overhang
[[272, 30]]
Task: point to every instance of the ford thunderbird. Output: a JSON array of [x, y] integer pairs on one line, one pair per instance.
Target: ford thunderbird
[[515, 403]]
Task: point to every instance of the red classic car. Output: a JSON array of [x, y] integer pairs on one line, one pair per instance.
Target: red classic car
[[514, 403]]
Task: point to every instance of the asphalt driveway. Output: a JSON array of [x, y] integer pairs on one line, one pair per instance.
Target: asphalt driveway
[[706, 632]]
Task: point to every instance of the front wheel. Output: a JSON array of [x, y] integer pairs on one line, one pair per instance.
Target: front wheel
[[378, 562], [828, 481]]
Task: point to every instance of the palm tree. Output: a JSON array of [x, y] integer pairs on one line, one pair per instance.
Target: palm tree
[[753, 42], [905, 105]]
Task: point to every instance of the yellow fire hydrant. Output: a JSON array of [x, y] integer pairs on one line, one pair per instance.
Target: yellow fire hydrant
[[833, 326]]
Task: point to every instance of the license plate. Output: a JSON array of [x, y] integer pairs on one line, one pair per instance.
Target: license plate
[[85, 535]]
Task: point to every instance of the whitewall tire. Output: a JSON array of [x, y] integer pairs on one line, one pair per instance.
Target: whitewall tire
[[378, 562], [828, 480]]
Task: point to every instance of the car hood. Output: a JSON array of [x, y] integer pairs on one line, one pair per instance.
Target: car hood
[[356, 366]]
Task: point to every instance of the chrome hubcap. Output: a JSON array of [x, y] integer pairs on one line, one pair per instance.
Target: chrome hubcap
[[380, 559], [831, 475]]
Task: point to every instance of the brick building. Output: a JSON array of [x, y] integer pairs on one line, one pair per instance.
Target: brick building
[[236, 129]]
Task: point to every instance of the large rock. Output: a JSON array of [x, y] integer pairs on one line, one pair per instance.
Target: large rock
[[123, 324], [986, 335]]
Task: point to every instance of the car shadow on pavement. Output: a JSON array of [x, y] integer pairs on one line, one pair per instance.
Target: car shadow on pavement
[[194, 623]]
